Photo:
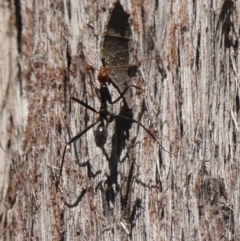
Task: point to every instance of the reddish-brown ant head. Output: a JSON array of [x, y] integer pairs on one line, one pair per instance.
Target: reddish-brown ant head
[[103, 76]]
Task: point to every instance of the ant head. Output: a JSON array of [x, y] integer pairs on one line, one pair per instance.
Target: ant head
[[100, 134], [103, 76]]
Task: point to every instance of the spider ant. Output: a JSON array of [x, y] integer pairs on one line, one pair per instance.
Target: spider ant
[[105, 117]]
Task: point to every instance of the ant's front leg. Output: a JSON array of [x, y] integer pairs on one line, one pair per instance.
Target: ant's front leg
[[124, 92]]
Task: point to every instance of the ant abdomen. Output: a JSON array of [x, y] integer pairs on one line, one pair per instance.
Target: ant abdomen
[[100, 135]]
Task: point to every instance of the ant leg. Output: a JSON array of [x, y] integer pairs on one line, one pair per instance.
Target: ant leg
[[115, 86], [72, 140], [81, 103], [98, 93], [137, 122], [123, 93]]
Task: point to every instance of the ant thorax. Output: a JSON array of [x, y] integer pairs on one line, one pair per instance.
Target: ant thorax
[[105, 95]]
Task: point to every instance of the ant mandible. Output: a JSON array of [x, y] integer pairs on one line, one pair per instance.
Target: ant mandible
[[105, 117]]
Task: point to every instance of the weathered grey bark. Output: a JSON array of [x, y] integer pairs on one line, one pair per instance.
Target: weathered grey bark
[[190, 100], [13, 115]]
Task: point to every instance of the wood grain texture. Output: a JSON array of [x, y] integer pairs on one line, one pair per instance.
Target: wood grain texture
[[133, 190]]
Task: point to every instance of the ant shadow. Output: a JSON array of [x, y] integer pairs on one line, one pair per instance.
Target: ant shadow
[[119, 138]]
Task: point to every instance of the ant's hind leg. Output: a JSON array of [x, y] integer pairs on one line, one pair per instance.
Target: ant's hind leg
[[71, 141]]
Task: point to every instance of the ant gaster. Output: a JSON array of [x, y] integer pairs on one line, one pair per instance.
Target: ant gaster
[[105, 117]]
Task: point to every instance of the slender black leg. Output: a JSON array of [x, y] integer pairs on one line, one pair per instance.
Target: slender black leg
[[115, 86], [137, 122], [98, 93], [81, 103], [118, 90], [123, 93], [72, 140]]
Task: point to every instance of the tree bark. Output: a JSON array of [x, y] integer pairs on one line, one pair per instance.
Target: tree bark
[[182, 182]]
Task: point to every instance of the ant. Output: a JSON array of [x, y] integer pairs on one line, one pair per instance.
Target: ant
[[105, 117]]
